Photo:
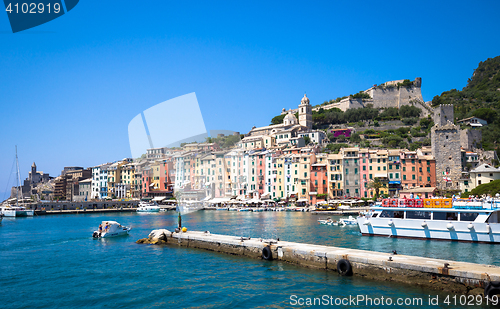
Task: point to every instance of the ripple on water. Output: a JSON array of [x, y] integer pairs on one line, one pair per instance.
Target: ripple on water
[[53, 261]]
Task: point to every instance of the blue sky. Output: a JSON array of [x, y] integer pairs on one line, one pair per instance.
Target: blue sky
[[70, 87]]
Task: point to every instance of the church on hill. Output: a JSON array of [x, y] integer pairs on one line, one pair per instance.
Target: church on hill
[[290, 133]]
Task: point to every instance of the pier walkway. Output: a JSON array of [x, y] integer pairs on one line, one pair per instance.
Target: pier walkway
[[452, 276]]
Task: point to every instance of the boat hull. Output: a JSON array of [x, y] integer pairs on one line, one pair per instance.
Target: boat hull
[[429, 229], [148, 209], [17, 213], [111, 234]]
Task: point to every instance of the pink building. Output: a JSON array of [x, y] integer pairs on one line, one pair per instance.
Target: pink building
[[364, 172]]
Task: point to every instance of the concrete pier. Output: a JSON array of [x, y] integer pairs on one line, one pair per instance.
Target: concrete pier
[[450, 276]]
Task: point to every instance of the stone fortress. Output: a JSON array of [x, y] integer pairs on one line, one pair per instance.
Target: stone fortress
[[389, 94], [445, 144]]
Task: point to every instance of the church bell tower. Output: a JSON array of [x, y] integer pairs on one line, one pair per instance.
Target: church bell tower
[[305, 113]]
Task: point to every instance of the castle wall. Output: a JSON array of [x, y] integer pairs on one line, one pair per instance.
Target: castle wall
[[394, 97], [383, 97], [470, 138]]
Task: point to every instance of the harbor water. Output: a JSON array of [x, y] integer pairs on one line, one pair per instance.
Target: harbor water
[[53, 262]]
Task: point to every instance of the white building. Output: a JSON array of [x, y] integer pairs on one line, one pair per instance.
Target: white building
[[315, 137], [99, 188]]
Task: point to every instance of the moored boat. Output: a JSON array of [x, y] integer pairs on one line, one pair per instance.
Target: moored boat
[[445, 219], [110, 229], [148, 207], [348, 221], [328, 221], [16, 211]]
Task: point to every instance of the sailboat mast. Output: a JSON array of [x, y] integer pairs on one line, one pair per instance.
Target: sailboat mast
[[18, 179]]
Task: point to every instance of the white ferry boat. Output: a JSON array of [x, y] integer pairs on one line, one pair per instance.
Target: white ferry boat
[[148, 207], [461, 220]]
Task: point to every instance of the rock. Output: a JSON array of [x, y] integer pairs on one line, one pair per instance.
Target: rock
[[142, 241], [159, 234], [476, 291]]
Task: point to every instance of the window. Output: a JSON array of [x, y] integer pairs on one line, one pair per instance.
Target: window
[[346, 171], [413, 168], [452, 216], [404, 168], [404, 177], [364, 168], [370, 176], [397, 167], [468, 216], [390, 166], [479, 182], [413, 176], [392, 214], [428, 168], [397, 175], [355, 171], [390, 175], [370, 168], [418, 215], [378, 168], [428, 179]]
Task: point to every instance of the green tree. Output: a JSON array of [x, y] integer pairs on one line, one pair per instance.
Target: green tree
[[409, 111], [278, 119], [355, 138], [487, 114], [376, 184], [426, 123], [307, 140]]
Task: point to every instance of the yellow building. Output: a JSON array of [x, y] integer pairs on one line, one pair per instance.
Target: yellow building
[[334, 167], [280, 177], [304, 186], [378, 168]]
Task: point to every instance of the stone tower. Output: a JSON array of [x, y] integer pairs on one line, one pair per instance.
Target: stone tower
[[33, 173], [445, 139], [305, 113], [443, 113]]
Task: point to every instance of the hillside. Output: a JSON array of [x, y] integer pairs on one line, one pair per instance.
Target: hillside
[[480, 98]]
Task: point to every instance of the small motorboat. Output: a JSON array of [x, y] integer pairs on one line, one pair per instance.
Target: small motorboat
[[111, 229], [328, 222], [348, 221], [148, 207]]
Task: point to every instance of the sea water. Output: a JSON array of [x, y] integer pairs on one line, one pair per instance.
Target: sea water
[[53, 262]]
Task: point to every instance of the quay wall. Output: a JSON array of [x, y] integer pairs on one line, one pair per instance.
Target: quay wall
[[451, 276]]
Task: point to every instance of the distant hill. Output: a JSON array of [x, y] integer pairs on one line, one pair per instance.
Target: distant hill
[[480, 98]]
